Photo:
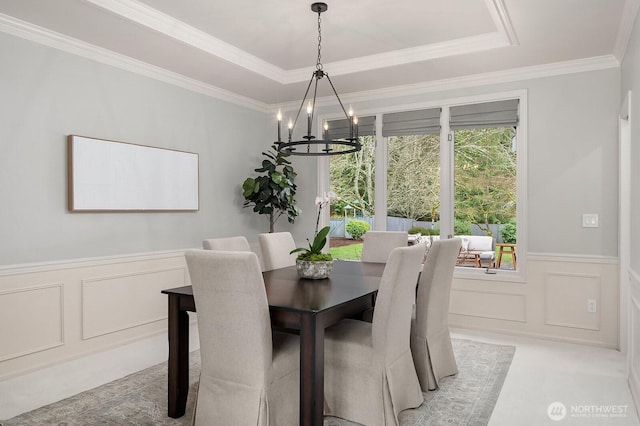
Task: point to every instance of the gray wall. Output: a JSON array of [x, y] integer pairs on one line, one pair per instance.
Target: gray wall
[[47, 94], [572, 156], [631, 81]]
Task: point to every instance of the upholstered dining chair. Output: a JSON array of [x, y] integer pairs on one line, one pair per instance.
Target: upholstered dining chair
[[275, 247], [378, 245], [238, 243], [248, 376], [369, 373], [430, 340]]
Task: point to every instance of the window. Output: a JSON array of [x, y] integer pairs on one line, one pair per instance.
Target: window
[[457, 169], [485, 176], [352, 178], [413, 169]]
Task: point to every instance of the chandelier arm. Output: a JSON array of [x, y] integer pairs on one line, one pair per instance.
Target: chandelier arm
[[337, 97], [304, 98]]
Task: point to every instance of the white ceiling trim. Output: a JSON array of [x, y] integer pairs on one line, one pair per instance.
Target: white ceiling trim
[[61, 42], [171, 27], [504, 37], [405, 56], [500, 17], [629, 13], [25, 30], [517, 74], [146, 16]]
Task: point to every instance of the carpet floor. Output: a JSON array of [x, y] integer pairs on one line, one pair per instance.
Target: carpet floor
[[140, 399]]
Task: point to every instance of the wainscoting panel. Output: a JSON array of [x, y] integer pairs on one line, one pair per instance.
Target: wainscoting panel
[[32, 320], [94, 305], [111, 304], [634, 344], [549, 301], [510, 307], [566, 300]]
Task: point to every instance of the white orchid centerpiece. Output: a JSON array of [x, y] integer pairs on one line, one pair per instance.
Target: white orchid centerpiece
[[322, 202], [314, 252]]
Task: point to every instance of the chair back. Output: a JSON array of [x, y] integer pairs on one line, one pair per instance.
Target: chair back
[[238, 243], [391, 324], [233, 319], [275, 249], [434, 288], [378, 245]]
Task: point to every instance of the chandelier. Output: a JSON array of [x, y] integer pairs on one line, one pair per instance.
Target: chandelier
[[326, 144]]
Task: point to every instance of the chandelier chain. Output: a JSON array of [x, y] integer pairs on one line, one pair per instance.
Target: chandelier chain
[[319, 63]]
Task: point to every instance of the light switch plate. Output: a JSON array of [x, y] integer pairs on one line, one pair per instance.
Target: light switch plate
[[589, 220]]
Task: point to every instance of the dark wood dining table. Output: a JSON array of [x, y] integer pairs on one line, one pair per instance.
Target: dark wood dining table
[[306, 306]]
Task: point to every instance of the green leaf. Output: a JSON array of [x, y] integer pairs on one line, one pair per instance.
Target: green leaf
[[270, 155], [279, 179], [248, 187], [320, 240]]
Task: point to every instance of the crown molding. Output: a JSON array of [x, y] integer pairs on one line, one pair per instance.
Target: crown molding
[[629, 13], [501, 18], [25, 30], [56, 40], [406, 56], [146, 16], [149, 17], [498, 77]]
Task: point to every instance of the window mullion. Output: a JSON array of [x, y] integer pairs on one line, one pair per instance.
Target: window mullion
[[381, 165], [446, 175]]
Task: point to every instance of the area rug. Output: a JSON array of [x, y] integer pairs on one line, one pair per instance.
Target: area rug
[[140, 399]]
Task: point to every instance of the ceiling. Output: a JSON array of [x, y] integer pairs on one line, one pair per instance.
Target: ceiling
[[263, 52]]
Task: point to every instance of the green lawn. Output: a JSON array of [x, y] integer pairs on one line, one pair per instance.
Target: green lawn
[[353, 251], [506, 257]]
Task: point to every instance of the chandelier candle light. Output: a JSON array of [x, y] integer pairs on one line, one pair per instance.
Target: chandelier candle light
[[326, 145]]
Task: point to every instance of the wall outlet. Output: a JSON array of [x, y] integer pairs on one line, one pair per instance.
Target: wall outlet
[[591, 305], [590, 220]]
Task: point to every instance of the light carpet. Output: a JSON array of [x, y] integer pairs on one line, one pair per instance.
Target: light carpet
[[141, 398]]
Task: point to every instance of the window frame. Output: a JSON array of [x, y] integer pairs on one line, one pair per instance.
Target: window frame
[[447, 174]]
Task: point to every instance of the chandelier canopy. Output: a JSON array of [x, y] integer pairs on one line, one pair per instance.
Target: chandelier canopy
[[326, 144]]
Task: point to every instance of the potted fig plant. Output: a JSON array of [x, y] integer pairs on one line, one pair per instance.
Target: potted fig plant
[[273, 193]]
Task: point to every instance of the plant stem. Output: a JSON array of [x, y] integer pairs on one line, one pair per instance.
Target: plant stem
[[318, 220]]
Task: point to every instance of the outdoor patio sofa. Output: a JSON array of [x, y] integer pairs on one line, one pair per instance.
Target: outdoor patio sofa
[[478, 250]]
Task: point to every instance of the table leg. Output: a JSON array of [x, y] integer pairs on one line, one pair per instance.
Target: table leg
[[499, 259], [311, 371], [178, 387]]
